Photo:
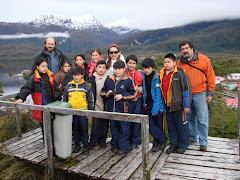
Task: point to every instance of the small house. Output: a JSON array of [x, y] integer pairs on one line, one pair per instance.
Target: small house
[[229, 85], [219, 79], [233, 76], [232, 102]]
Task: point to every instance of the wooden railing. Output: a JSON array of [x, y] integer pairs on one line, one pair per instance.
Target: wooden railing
[[143, 119]]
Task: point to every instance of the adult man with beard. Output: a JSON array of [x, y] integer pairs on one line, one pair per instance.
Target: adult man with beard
[[54, 57], [202, 80]]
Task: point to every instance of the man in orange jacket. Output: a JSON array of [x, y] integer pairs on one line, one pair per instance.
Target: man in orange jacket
[[202, 79]]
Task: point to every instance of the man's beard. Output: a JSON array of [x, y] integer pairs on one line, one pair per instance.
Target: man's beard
[[186, 56]]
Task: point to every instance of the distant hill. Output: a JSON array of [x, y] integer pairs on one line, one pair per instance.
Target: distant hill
[[82, 34], [212, 37]]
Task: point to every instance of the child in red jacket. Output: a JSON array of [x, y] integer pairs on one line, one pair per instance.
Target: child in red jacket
[[136, 105]]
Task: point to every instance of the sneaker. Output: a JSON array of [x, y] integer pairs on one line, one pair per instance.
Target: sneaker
[[122, 153], [203, 148], [155, 149], [114, 150], [91, 146], [134, 146], [172, 149], [162, 146], [85, 150], [76, 148], [103, 145], [181, 150]]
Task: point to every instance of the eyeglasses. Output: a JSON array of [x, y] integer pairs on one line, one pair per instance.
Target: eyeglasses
[[113, 52]]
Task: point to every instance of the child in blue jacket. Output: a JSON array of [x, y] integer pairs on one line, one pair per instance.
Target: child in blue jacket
[[153, 104], [117, 90]]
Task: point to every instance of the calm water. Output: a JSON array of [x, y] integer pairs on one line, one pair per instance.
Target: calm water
[[12, 85]]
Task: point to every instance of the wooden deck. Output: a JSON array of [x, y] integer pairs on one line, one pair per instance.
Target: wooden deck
[[221, 161]]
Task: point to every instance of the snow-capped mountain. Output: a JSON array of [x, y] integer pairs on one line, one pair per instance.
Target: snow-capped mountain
[[81, 23], [123, 30], [78, 23]]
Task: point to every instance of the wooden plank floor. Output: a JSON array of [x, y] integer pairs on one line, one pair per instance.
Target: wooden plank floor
[[220, 161]]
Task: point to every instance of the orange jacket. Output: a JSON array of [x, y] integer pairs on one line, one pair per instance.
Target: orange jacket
[[198, 80]]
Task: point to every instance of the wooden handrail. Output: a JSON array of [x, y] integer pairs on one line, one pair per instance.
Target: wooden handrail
[[143, 119]]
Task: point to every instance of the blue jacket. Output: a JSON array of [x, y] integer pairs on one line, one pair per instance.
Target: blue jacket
[[124, 86], [158, 104]]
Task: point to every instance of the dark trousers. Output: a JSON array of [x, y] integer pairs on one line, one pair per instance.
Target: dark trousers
[[80, 129], [99, 131], [156, 126], [178, 130], [120, 135], [135, 107]]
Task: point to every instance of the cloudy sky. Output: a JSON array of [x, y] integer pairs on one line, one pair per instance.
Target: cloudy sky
[[150, 14]]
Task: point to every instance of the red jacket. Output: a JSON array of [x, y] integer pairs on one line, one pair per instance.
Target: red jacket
[[33, 87], [137, 79]]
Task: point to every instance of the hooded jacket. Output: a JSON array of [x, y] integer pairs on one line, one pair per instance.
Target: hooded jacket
[[199, 81], [123, 86], [158, 104], [79, 95], [179, 91], [35, 88]]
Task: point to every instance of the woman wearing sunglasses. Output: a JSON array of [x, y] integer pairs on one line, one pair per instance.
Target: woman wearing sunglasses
[[114, 54]]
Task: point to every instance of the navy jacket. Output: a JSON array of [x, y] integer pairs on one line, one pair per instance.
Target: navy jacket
[[124, 86]]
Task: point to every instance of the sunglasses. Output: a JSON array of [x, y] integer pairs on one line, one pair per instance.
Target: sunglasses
[[113, 52]]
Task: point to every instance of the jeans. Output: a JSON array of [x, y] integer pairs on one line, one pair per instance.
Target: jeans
[[198, 118]]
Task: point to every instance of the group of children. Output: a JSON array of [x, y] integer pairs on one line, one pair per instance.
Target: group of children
[[117, 86]]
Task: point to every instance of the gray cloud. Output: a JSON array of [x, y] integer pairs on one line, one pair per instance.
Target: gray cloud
[[40, 35]]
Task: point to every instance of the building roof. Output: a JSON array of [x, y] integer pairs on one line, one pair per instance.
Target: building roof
[[232, 101]]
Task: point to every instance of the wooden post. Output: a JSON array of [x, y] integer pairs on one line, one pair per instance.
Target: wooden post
[[48, 138], [19, 132], [145, 148], [238, 133]]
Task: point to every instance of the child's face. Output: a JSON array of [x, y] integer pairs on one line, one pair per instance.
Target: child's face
[[66, 67], [96, 57], [101, 69], [43, 67], [148, 70], [114, 53], [77, 78], [131, 65], [79, 61], [169, 64], [119, 72]]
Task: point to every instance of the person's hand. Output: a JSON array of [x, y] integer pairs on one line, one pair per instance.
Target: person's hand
[[186, 110], [118, 97], [18, 101], [209, 99], [135, 99], [137, 88], [108, 93], [153, 114], [89, 118]]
